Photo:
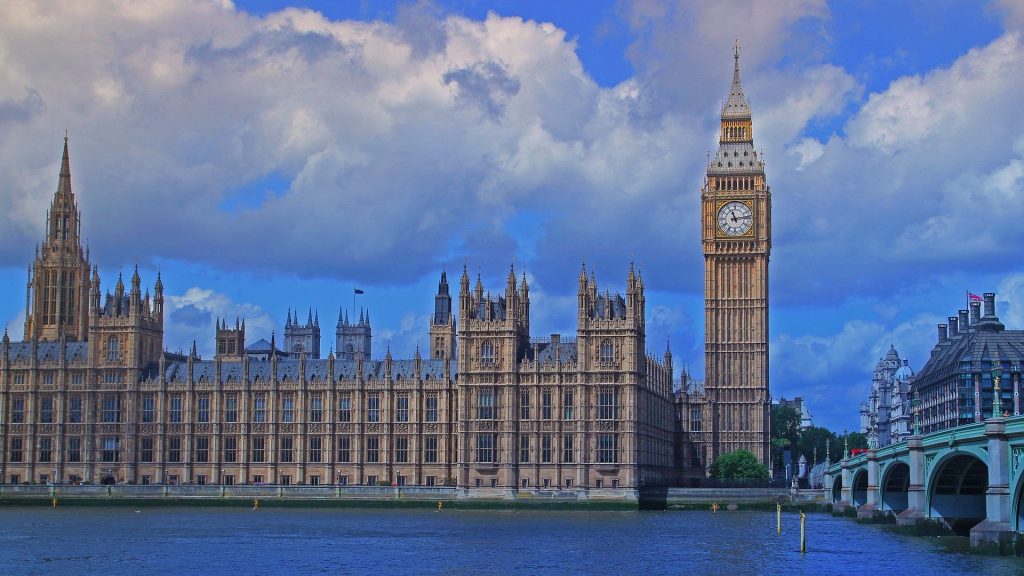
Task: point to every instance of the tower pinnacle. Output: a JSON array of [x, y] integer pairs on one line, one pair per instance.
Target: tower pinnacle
[[736, 104]]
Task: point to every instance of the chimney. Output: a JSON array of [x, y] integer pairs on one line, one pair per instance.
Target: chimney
[[943, 334], [975, 312], [963, 326], [990, 304], [954, 328]]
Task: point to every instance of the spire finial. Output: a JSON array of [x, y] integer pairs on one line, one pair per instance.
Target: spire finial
[[64, 179], [736, 105]]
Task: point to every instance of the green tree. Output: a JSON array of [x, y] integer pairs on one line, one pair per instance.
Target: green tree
[[820, 438], [785, 431], [739, 465], [857, 440]]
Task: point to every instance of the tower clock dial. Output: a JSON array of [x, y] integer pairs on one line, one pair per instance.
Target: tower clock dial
[[735, 218]]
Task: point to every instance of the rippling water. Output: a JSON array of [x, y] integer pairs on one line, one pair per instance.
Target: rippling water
[[76, 541]]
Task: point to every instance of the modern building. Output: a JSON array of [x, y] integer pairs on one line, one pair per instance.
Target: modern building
[[90, 394], [885, 416], [736, 233], [973, 373]]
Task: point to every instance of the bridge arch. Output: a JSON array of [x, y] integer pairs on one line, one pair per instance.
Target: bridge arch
[[895, 486], [1017, 505], [860, 488], [956, 490], [837, 489]]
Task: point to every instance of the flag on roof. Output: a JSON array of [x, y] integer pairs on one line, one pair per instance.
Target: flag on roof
[[973, 297], [359, 291]]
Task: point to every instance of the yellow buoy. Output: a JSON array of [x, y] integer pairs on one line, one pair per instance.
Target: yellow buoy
[[255, 504], [803, 533], [53, 504]]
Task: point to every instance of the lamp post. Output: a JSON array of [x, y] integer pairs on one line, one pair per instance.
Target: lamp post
[[53, 476], [916, 409], [846, 444], [997, 400]]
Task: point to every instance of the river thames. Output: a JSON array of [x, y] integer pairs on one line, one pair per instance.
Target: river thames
[[86, 540]]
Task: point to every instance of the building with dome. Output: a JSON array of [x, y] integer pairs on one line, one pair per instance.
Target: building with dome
[[885, 416]]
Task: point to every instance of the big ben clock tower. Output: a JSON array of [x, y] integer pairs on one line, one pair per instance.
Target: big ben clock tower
[[736, 232]]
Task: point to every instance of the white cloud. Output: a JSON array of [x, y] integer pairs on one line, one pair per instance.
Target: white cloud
[[16, 327], [192, 316], [807, 150], [399, 141], [924, 183], [1010, 301]]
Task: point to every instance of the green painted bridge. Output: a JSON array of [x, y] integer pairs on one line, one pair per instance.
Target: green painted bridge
[[970, 479]]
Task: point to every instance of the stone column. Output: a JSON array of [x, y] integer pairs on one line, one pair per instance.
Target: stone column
[[994, 533], [871, 510], [846, 497], [915, 491]]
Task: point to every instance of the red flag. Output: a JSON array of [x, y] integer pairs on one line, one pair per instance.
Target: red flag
[[973, 297]]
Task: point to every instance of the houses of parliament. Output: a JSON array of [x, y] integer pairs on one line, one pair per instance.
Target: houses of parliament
[[89, 394]]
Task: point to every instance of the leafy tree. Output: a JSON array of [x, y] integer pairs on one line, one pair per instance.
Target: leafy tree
[[816, 436], [821, 437], [857, 440], [785, 430], [739, 465]]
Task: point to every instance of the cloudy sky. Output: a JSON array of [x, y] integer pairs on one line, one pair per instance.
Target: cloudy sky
[[265, 155]]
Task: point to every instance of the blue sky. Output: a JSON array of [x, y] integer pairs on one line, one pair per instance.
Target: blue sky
[[267, 155]]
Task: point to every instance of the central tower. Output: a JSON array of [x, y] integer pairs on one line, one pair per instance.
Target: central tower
[[736, 236]]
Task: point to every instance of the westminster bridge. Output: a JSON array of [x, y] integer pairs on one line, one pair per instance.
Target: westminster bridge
[[969, 478]]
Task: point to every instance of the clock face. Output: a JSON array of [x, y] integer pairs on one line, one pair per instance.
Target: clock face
[[735, 219]]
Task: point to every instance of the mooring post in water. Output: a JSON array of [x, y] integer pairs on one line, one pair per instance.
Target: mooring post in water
[[778, 517], [803, 532]]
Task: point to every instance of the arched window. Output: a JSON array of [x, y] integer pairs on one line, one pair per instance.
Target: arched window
[[607, 351], [487, 352]]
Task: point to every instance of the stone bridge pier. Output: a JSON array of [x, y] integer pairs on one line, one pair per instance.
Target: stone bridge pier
[[995, 528]]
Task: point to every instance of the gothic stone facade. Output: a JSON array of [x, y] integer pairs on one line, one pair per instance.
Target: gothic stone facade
[[736, 234], [90, 394]]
